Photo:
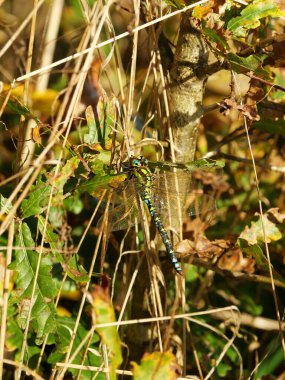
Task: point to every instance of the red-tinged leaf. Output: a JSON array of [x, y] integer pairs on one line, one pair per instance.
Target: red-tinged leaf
[[109, 335], [158, 366], [251, 15]]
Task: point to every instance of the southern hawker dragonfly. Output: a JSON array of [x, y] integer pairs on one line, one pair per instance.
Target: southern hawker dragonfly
[[169, 197]]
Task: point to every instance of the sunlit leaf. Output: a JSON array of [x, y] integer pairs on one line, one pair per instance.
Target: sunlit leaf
[[43, 316], [109, 335], [4, 205], [251, 15], [66, 172], [255, 233], [157, 365], [97, 183], [99, 131], [92, 136]]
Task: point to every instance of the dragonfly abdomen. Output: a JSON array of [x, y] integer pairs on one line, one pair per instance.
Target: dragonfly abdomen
[[163, 233]]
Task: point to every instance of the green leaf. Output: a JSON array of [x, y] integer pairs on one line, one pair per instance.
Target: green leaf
[[92, 136], [99, 131], [105, 313], [223, 369], [214, 37], [261, 260], [62, 340], [251, 63], [17, 107], [43, 316], [37, 199], [251, 15], [66, 172], [157, 365], [98, 183], [276, 127], [71, 265]]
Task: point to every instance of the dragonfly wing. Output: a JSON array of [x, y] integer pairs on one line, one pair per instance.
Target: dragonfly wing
[[179, 195], [200, 204], [123, 217], [124, 214]]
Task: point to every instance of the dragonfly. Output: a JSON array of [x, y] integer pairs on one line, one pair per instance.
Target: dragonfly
[[162, 193]]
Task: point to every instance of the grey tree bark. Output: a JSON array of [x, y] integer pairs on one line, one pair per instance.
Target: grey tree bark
[[186, 88]]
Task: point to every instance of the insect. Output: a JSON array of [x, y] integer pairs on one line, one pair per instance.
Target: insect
[[161, 193]]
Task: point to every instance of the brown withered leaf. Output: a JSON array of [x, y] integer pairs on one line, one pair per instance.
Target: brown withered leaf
[[233, 260], [36, 136], [226, 105], [202, 247], [249, 111]]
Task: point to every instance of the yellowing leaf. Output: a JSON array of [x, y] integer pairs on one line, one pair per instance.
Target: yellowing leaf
[[254, 233], [250, 16], [109, 335], [158, 365]]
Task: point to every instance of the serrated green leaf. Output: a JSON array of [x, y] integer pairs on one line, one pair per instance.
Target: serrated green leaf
[[43, 316], [251, 63], [105, 313], [71, 264], [37, 199], [251, 15], [157, 365]]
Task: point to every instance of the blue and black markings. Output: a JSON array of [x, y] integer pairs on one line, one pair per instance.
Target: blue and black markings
[[141, 171]]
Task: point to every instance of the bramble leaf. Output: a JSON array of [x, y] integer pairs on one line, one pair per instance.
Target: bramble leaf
[[37, 200], [43, 316], [71, 265]]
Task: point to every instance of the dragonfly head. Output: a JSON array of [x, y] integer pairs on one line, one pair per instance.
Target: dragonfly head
[[136, 162]]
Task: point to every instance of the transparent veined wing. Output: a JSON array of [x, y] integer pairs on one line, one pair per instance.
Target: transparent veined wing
[[174, 196]]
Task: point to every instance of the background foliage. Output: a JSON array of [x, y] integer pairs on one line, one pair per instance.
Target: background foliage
[[78, 302]]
